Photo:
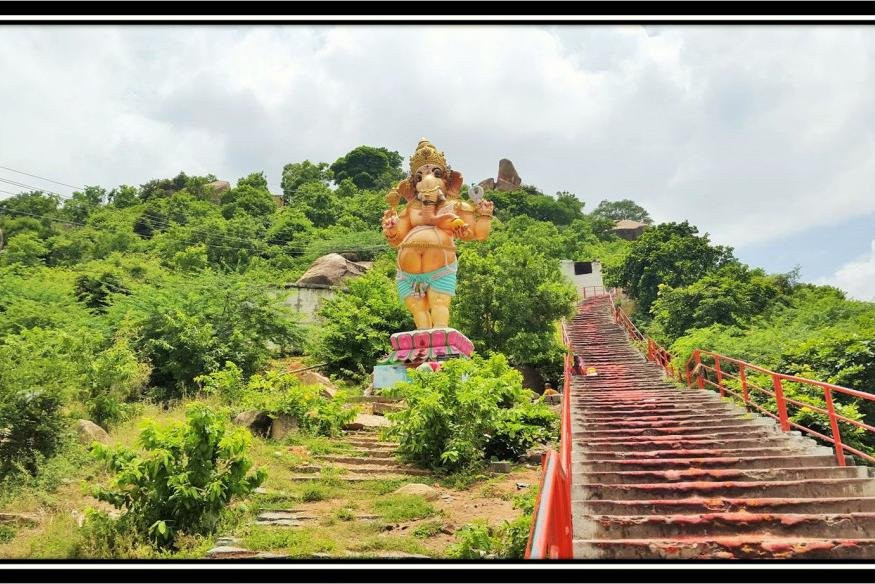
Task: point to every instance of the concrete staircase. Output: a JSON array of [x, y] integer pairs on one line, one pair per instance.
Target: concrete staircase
[[661, 472]]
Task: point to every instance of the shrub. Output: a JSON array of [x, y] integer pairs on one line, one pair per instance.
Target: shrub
[[282, 393], [188, 328], [357, 325], [39, 371], [114, 378], [467, 411], [507, 541], [186, 476]]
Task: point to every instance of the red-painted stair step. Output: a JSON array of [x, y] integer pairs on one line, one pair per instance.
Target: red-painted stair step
[[747, 546]]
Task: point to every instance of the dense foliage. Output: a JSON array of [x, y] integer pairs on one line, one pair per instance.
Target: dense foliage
[[670, 253], [467, 412], [623, 209], [184, 478], [278, 393]]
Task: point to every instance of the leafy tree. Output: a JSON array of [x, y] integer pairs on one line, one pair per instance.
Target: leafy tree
[[26, 249], [248, 199], [94, 292], [191, 259], [160, 188], [369, 167], [296, 174], [183, 480], [732, 294], [318, 203], [123, 196], [671, 254], [356, 325], [82, 203], [528, 201], [508, 300], [289, 227], [191, 327], [623, 209], [256, 180], [34, 202]]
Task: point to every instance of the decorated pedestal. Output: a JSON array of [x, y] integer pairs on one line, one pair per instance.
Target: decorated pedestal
[[411, 349]]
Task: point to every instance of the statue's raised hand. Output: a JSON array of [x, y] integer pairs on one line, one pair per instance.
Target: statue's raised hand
[[390, 221], [485, 208]]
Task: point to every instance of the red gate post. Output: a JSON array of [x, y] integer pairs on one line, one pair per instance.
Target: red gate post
[[782, 404], [743, 375], [834, 424], [719, 375], [698, 357]]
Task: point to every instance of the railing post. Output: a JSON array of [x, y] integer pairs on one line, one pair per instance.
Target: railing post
[[743, 375], [782, 404], [699, 380], [719, 375], [689, 379], [834, 424]]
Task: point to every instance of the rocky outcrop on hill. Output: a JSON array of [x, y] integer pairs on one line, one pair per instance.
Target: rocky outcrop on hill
[[508, 178], [331, 270]]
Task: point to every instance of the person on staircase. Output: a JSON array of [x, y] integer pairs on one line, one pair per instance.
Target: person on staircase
[[577, 367]]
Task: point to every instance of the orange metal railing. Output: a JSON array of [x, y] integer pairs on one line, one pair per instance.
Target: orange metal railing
[[723, 367], [550, 536], [654, 352]]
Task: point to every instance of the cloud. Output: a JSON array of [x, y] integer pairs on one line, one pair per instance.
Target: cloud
[[857, 277], [752, 133]]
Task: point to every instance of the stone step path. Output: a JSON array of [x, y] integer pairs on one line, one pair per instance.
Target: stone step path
[[369, 457], [660, 472]]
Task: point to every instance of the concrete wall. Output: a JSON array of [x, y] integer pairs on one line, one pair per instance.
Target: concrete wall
[[583, 280], [305, 299]]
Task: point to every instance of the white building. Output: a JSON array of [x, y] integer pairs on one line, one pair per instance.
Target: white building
[[586, 276]]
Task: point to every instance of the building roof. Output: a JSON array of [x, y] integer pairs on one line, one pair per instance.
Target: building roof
[[628, 224]]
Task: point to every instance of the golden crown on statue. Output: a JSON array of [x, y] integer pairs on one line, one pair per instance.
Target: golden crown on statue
[[426, 153]]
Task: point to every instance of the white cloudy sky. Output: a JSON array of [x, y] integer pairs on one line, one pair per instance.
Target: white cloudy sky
[[763, 136]]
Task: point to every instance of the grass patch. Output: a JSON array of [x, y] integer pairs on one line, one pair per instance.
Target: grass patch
[[382, 486], [314, 492], [428, 529], [344, 514], [295, 542], [7, 533], [395, 543], [403, 507]]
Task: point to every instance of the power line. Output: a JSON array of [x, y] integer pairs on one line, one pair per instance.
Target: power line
[[39, 177]]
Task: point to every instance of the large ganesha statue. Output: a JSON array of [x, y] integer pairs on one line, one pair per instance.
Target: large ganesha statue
[[424, 231]]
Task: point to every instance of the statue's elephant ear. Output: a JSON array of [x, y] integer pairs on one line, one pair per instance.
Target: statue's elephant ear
[[405, 189], [454, 184]]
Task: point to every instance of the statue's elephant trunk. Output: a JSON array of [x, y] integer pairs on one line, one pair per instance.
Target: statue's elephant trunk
[[428, 213]]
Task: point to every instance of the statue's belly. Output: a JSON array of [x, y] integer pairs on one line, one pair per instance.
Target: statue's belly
[[431, 250]]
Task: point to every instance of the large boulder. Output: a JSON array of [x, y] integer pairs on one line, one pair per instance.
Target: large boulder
[[258, 421], [331, 270], [282, 425], [88, 432], [429, 493], [508, 179], [311, 377], [367, 422], [216, 188]]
